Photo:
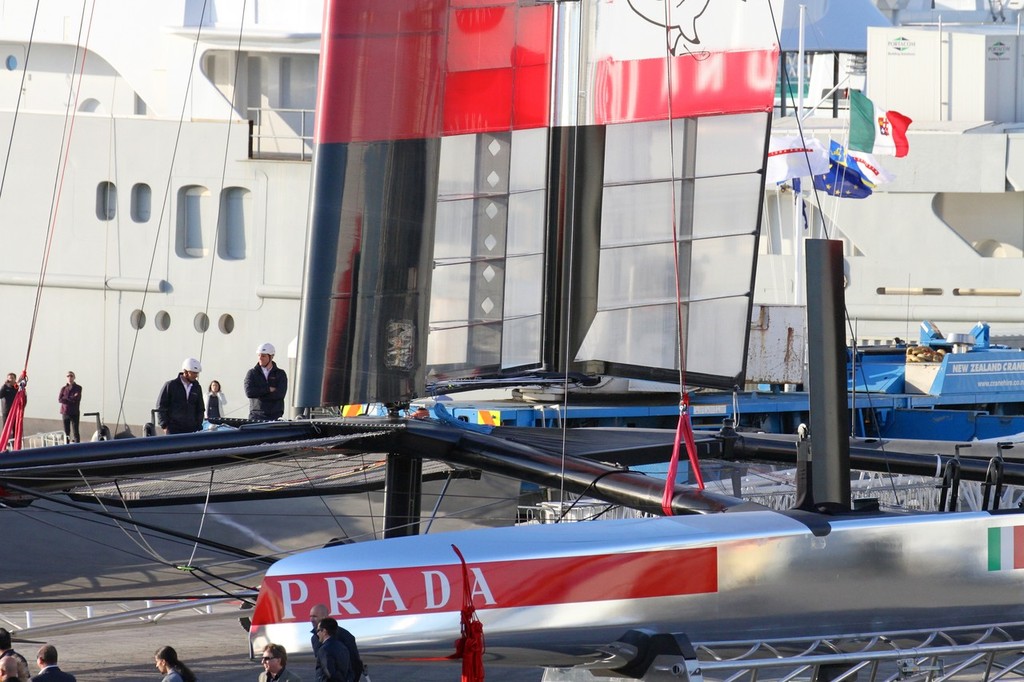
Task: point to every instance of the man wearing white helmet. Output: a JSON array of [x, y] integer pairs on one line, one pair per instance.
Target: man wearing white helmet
[[179, 408], [265, 386]]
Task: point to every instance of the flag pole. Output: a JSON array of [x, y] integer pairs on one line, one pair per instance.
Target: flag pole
[[798, 242]]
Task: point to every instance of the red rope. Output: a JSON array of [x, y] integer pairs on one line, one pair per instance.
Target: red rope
[[13, 425], [470, 646], [684, 433]]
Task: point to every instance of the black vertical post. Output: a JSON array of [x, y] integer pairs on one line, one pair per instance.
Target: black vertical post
[[830, 422], [402, 495]]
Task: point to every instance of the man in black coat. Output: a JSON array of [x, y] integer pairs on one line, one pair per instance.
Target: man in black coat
[[317, 614], [179, 407], [48, 669], [265, 386], [332, 659]]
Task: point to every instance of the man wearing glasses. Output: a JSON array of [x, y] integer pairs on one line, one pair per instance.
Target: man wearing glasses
[[180, 408], [275, 660], [317, 614], [70, 398], [332, 660]]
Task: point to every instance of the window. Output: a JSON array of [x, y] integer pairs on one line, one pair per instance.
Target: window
[[142, 197], [191, 201], [235, 206], [106, 200]]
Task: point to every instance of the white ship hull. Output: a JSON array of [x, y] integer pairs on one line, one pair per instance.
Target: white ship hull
[[160, 204]]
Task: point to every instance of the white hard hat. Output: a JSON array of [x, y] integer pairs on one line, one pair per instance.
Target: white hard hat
[[192, 365], [267, 348]]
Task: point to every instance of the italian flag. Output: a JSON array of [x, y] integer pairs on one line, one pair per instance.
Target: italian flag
[[874, 130], [1005, 548]]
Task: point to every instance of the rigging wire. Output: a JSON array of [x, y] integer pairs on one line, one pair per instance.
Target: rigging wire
[[163, 212], [202, 518], [684, 430], [570, 220], [70, 112], [17, 104], [223, 179]]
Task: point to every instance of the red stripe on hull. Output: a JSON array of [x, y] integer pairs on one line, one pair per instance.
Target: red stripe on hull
[[500, 584]]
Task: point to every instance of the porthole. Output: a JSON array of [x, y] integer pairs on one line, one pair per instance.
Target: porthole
[[162, 320], [201, 322], [138, 319], [226, 324], [11, 62]]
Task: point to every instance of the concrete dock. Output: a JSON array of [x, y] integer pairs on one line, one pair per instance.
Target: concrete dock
[[211, 641]]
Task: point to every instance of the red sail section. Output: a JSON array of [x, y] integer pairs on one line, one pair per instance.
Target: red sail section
[[395, 70], [496, 585], [722, 83]]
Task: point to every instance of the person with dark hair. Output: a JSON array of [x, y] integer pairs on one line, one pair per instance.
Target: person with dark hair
[[173, 670], [332, 660], [7, 393], [49, 671], [6, 651], [318, 613], [70, 399], [275, 660], [215, 401]]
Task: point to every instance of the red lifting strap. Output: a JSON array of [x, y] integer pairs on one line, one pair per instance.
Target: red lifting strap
[[684, 432], [470, 646], [15, 418]]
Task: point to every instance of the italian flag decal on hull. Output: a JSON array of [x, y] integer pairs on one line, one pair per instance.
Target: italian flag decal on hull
[[1005, 548]]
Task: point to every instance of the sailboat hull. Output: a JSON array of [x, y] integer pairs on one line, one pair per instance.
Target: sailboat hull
[[715, 578]]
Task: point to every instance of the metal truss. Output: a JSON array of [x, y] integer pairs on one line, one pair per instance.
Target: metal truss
[[983, 653]]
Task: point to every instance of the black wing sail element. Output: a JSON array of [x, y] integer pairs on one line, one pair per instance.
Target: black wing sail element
[[524, 197]]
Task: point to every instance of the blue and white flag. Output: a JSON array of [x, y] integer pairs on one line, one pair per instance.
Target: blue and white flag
[[842, 181], [865, 164]]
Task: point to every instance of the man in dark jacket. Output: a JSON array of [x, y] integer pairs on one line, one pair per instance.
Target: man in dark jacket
[[317, 614], [7, 393], [70, 398], [265, 386], [46, 659], [332, 659], [179, 408]]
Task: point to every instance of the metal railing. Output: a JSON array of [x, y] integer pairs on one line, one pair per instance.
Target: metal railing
[[280, 133]]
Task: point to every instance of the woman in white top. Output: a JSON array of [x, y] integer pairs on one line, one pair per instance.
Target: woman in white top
[[216, 401]]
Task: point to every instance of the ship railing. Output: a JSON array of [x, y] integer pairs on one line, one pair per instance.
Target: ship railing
[[42, 620], [585, 509], [42, 440], [276, 133]]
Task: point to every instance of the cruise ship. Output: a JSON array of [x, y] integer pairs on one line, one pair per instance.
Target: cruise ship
[[154, 195]]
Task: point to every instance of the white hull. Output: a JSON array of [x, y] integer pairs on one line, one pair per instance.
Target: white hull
[[114, 254]]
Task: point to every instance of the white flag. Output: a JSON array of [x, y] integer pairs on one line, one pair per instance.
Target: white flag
[[868, 167], [793, 157]]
